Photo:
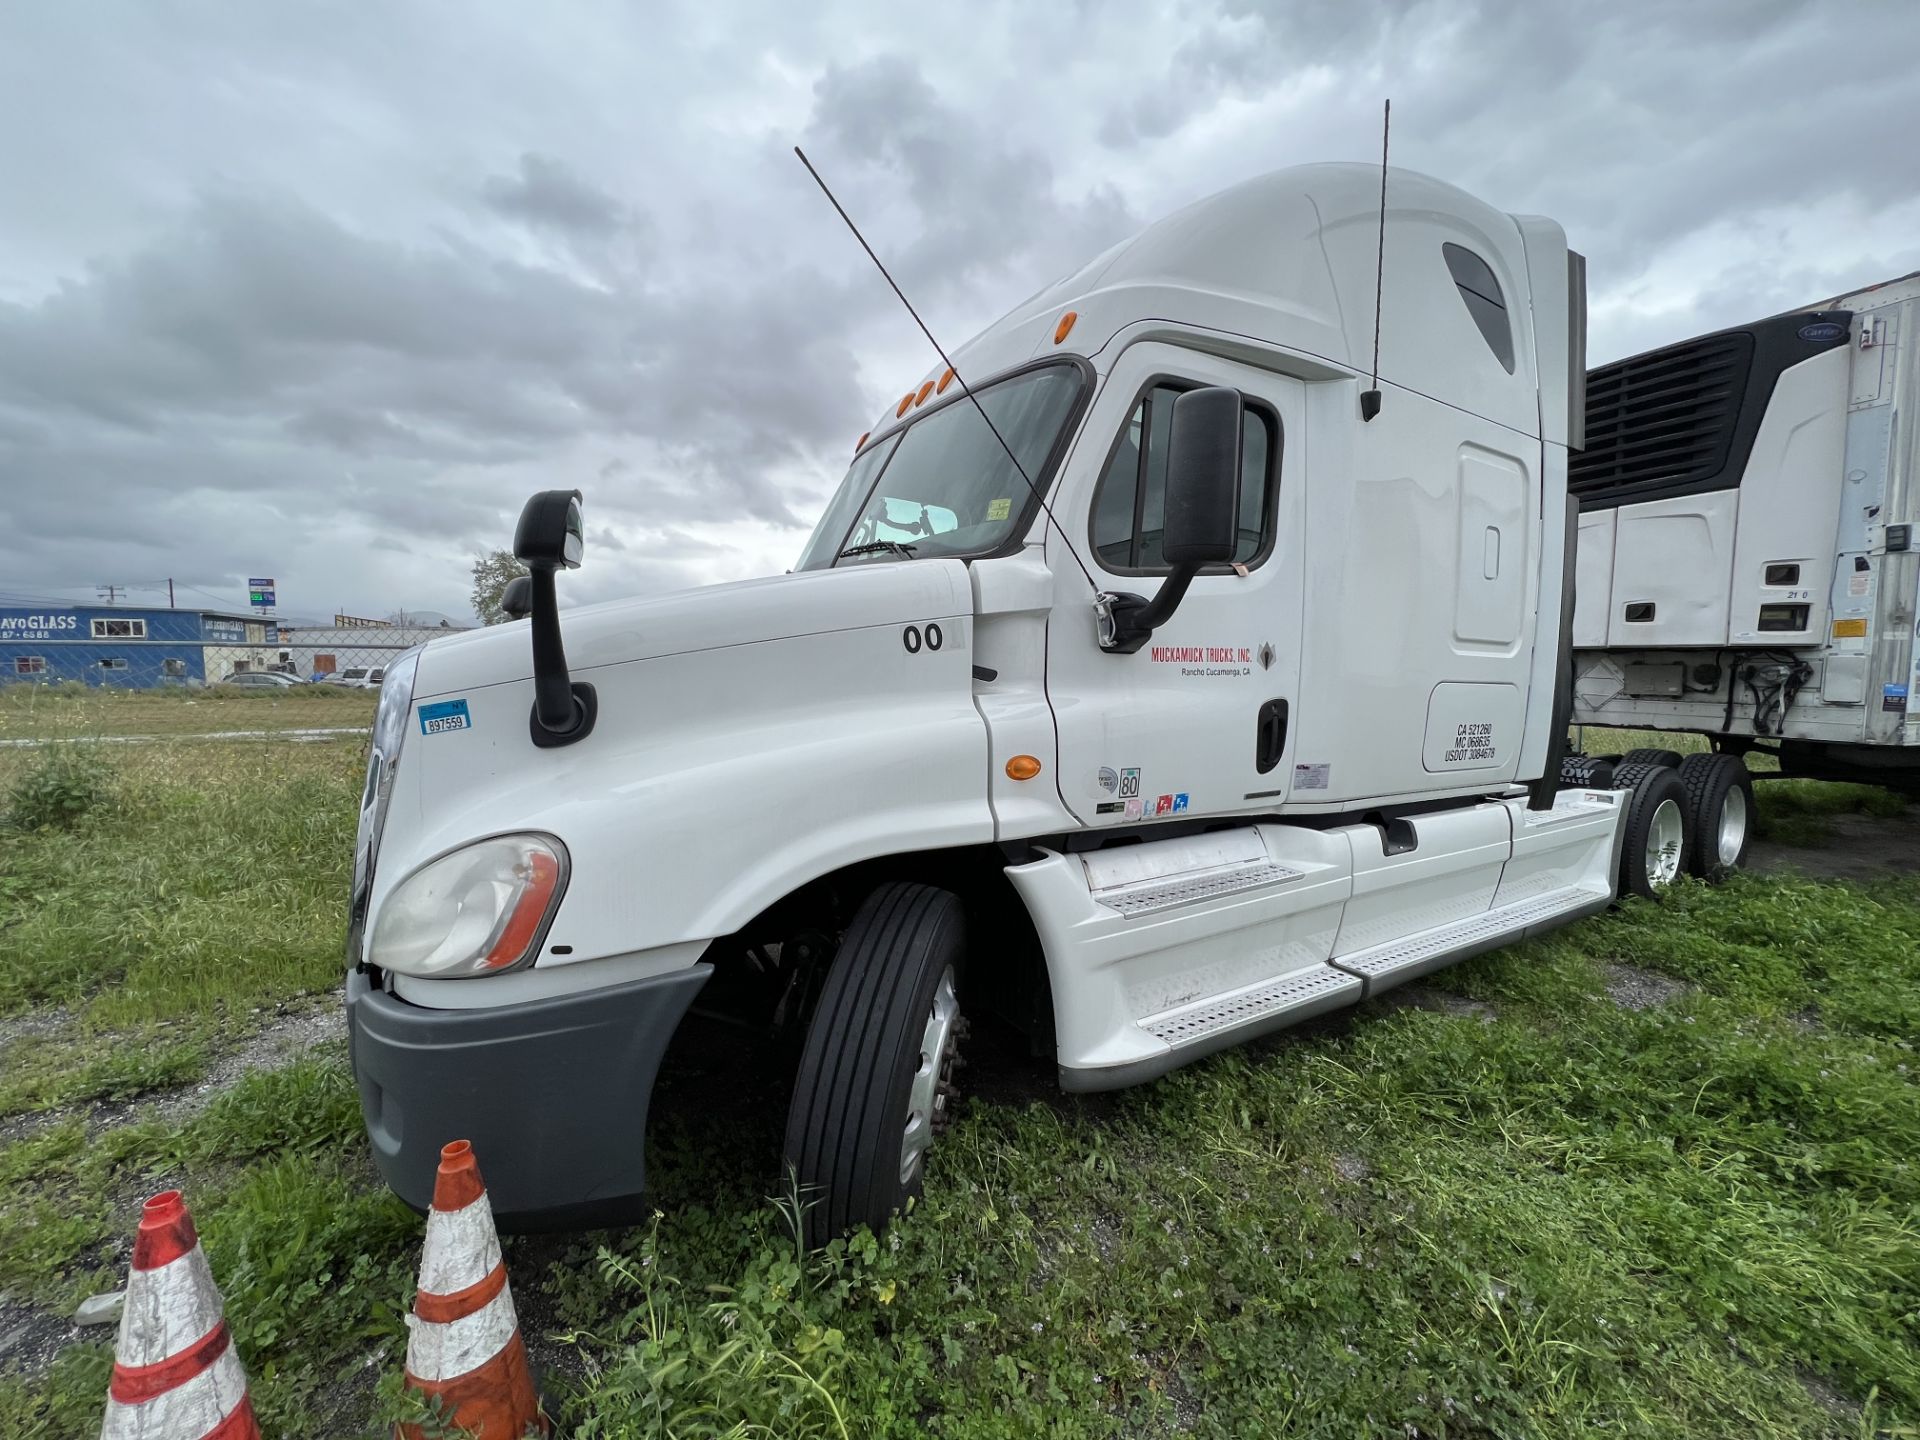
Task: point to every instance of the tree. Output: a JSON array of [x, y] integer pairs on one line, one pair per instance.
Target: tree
[[491, 574]]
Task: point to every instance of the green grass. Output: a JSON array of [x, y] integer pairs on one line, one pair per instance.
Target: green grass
[[74, 711], [1700, 1219]]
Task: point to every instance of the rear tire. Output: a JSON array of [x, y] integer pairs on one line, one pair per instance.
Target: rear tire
[[1654, 850], [876, 1071], [1720, 814], [1646, 755]]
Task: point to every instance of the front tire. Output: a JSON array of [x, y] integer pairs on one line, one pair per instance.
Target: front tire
[[1654, 849], [876, 1071], [1720, 811]]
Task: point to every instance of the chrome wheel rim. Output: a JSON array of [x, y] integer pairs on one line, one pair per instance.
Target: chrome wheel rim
[[932, 1081], [1664, 838], [1733, 825]]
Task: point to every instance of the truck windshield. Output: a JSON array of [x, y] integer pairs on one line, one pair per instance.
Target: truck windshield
[[943, 485]]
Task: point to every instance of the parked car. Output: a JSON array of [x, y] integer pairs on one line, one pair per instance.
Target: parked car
[[359, 677], [260, 680]]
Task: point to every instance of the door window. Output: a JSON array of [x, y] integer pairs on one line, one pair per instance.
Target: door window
[[1129, 508]]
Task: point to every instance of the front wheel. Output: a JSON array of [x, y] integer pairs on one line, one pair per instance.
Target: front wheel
[[876, 1072]]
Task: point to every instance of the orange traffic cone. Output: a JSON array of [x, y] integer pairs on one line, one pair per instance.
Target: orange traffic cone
[[175, 1376], [465, 1345]]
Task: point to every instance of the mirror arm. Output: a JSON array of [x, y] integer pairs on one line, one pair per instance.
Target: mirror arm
[[553, 703], [1126, 620]]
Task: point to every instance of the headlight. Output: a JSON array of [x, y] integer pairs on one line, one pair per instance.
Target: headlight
[[478, 911]]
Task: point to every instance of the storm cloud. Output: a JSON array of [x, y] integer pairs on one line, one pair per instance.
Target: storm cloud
[[323, 291]]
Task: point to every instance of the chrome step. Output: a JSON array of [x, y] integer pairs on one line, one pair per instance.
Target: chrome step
[[1143, 897], [1399, 960], [1316, 988]]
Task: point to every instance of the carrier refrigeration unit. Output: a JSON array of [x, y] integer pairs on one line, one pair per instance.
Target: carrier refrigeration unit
[[1747, 556]]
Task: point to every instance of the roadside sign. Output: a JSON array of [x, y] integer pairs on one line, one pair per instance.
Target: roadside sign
[[260, 592]]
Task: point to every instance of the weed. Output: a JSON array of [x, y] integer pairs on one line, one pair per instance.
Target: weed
[[57, 789]]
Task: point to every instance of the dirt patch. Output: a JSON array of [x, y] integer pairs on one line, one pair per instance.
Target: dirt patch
[[1439, 1002], [1831, 1400], [296, 1029], [31, 1337], [1351, 1168], [1857, 847], [1632, 988], [33, 1025]]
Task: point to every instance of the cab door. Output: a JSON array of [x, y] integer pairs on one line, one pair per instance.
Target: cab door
[[1199, 721]]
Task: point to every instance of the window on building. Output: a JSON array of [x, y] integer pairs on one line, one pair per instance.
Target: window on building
[[173, 669], [1129, 508], [113, 663], [1480, 293], [119, 629], [29, 664]]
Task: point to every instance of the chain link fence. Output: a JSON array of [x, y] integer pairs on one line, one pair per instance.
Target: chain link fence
[[120, 648]]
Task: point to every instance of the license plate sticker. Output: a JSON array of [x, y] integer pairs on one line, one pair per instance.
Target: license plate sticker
[[444, 715]]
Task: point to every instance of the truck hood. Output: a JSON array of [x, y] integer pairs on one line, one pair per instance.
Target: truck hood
[[713, 617], [751, 738]]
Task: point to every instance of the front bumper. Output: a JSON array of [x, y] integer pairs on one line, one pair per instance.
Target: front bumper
[[552, 1093]]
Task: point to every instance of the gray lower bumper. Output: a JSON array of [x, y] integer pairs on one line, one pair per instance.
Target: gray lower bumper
[[552, 1093]]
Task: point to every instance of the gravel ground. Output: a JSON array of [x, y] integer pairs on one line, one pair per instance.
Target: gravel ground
[[1632, 988], [1859, 847]]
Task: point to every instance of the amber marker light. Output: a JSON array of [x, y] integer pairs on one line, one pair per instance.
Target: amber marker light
[[945, 380], [1065, 327], [1022, 767], [906, 400], [925, 390]]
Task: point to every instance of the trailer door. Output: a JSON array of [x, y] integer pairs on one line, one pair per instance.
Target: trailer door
[[1200, 720]]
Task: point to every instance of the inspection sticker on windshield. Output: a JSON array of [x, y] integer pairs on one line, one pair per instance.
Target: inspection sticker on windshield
[[997, 509], [444, 715]]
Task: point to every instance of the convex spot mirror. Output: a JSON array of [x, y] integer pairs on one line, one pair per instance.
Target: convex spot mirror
[[549, 534], [1203, 478], [516, 601]]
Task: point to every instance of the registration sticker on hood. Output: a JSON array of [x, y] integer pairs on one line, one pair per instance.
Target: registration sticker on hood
[[444, 715]]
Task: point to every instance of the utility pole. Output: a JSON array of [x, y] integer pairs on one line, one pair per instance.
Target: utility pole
[[170, 592], [110, 593]]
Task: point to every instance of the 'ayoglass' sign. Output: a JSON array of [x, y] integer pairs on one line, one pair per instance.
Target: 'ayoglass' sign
[[38, 627]]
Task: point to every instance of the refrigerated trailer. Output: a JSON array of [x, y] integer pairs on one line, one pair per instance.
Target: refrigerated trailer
[[1155, 678], [1747, 563]]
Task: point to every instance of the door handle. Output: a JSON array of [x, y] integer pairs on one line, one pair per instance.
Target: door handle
[[1270, 736]]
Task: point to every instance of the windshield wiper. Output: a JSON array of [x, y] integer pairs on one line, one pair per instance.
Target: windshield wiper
[[878, 547]]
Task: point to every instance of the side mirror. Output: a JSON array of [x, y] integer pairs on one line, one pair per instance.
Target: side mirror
[[1202, 524], [548, 538], [549, 533], [516, 601], [1203, 478]]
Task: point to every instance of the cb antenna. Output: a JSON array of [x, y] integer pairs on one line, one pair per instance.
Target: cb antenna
[[965, 389], [1370, 399]]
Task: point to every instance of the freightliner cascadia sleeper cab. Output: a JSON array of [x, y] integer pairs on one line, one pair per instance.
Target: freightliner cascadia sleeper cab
[[1261, 712]]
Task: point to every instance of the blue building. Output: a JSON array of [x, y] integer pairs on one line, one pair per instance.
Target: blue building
[[128, 645]]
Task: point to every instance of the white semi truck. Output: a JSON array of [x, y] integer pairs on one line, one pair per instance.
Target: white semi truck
[[1747, 561], [1211, 686]]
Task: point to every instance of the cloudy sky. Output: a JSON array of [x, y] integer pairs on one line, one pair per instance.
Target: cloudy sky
[[322, 290]]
